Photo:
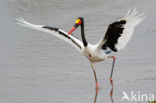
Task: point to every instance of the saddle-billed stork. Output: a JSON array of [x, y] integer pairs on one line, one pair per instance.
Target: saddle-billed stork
[[117, 36]]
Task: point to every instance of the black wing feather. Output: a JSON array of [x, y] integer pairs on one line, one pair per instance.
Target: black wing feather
[[61, 33], [114, 31]]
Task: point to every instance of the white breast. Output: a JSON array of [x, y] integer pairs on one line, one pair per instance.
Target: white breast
[[94, 54]]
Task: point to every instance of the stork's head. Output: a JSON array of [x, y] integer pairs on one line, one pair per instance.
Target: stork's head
[[78, 22]]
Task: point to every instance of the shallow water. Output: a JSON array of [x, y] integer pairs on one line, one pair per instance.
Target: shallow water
[[39, 68]]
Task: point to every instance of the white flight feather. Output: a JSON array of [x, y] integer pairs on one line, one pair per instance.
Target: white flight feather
[[24, 23], [132, 20]]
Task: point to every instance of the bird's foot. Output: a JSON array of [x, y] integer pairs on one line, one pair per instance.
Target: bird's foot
[[97, 86], [111, 81]]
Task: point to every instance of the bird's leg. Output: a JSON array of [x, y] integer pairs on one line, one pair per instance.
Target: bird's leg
[[92, 65], [96, 94], [111, 81]]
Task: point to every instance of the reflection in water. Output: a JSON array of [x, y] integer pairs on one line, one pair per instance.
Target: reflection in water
[[111, 95], [111, 92]]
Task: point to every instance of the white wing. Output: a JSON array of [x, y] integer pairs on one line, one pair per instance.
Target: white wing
[[55, 32], [119, 33]]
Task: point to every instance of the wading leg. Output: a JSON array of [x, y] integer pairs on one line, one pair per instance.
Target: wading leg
[[92, 65], [112, 69]]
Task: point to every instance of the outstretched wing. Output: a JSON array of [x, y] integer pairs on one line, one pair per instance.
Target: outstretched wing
[[119, 33], [55, 32]]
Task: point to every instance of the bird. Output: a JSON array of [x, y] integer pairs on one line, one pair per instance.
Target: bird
[[116, 38]]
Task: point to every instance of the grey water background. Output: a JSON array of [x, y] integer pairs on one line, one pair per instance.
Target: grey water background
[[38, 68]]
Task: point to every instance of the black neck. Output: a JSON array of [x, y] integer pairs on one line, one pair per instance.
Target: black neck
[[83, 34]]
